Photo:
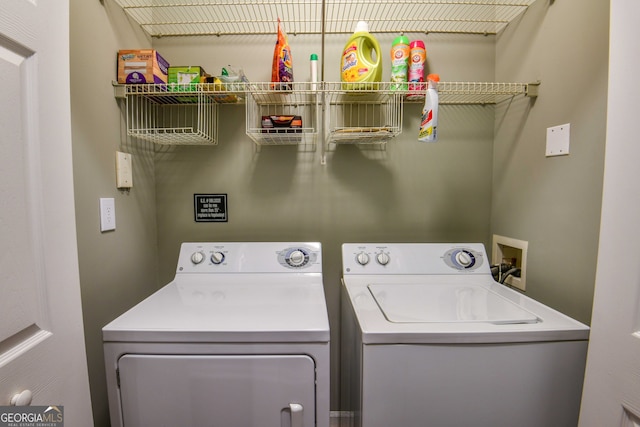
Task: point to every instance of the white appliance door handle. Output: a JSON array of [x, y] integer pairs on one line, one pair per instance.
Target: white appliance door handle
[[22, 399], [296, 414]]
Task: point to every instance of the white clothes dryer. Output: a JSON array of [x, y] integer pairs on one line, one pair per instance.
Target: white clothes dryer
[[430, 339], [239, 338]]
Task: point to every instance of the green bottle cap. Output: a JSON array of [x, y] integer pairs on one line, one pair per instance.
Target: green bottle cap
[[400, 40], [314, 57]]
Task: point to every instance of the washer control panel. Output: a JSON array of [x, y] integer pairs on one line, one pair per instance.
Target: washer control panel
[[414, 258], [257, 257]]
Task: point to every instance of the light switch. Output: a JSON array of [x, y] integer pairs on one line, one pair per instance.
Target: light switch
[[124, 171], [107, 214], [558, 140]]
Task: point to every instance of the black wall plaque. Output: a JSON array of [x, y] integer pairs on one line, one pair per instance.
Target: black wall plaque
[[210, 207]]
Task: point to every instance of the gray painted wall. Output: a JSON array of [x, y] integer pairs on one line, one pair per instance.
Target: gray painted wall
[[455, 190], [117, 268], [554, 203], [409, 192]]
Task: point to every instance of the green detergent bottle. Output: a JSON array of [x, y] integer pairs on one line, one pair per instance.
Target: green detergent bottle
[[361, 61]]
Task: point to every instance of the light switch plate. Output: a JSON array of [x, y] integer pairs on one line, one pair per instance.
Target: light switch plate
[[107, 214], [558, 140], [124, 171]]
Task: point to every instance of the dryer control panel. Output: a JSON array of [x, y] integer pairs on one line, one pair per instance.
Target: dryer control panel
[[463, 259], [250, 257], [414, 258]]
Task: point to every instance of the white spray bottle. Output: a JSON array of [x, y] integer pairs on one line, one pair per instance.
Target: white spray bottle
[[429, 120]]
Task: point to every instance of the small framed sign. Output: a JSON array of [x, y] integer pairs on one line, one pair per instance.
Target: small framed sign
[[210, 207]]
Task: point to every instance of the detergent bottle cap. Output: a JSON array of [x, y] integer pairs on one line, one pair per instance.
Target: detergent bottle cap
[[433, 77], [314, 57], [362, 26], [400, 40]]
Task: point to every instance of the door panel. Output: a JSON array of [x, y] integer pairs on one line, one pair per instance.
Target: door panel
[[611, 394], [229, 391], [24, 313], [41, 334]]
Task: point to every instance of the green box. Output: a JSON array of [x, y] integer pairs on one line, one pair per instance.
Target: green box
[[181, 79]]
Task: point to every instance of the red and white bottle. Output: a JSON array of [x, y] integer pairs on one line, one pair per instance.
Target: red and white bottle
[[417, 60]]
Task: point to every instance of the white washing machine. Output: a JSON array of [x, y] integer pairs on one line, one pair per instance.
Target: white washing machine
[[430, 339], [239, 338]]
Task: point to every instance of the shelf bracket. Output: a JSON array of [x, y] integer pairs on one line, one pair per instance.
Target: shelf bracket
[[119, 90], [531, 89]]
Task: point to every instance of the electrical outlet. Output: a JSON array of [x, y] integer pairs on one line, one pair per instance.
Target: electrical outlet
[[107, 214], [124, 170], [558, 138], [507, 250]]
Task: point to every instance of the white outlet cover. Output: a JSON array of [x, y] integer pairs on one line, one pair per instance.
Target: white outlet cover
[[107, 214], [558, 138], [124, 172]]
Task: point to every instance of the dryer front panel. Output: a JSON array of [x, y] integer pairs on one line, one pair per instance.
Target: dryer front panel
[[217, 390]]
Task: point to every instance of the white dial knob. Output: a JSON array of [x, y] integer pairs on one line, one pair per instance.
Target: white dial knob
[[296, 258], [197, 257], [362, 258], [464, 259], [217, 257], [383, 258]]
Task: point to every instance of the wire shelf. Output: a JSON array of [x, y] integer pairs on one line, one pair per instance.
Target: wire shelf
[[371, 114], [266, 105], [162, 18], [478, 92], [172, 115]]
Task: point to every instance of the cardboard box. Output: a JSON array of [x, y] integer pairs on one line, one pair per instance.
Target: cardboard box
[[185, 79], [141, 66], [186, 75]]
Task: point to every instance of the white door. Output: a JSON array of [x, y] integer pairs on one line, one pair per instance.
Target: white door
[[611, 394], [41, 332]]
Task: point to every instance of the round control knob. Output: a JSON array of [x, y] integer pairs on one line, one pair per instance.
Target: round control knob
[[197, 257], [464, 259], [362, 258], [217, 257], [383, 259], [296, 258]]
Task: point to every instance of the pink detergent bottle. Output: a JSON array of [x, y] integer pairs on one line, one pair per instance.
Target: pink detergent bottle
[[417, 59]]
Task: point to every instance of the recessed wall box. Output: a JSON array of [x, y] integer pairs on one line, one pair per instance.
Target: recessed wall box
[[507, 250]]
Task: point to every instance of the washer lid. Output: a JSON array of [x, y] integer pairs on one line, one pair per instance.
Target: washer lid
[[446, 303]]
